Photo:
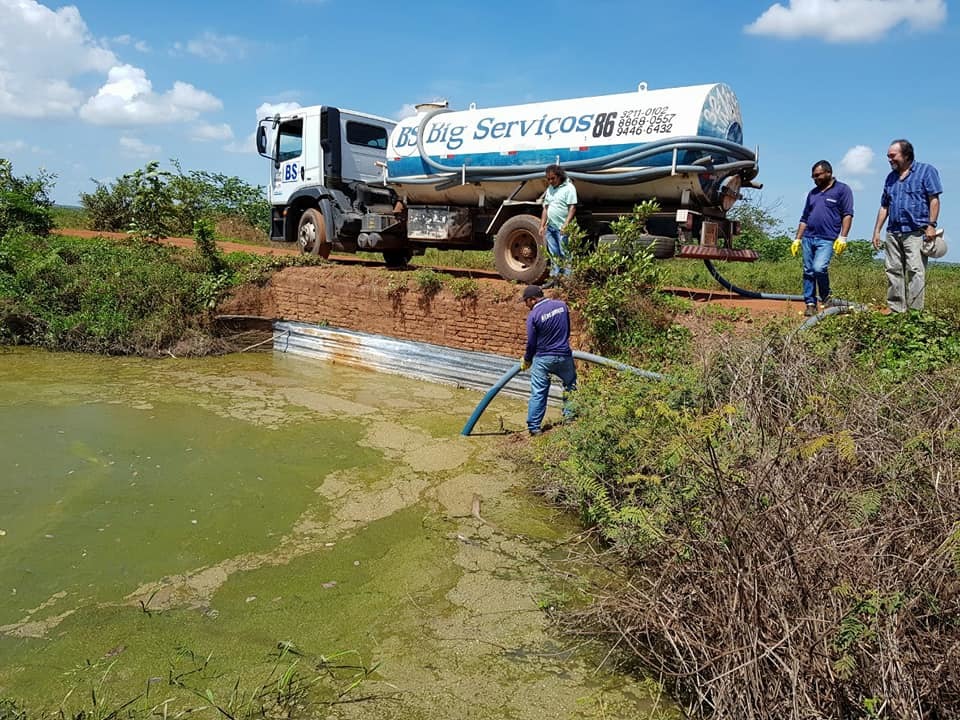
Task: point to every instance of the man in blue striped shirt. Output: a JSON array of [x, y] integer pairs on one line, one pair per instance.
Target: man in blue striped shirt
[[911, 202]]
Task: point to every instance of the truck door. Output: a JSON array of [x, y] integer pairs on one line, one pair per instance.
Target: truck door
[[364, 144], [288, 163]]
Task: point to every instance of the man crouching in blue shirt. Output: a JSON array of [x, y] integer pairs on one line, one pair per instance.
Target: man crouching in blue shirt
[[548, 353]]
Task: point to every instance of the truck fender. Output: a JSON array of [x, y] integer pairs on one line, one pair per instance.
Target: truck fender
[[509, 208], [323, 200]]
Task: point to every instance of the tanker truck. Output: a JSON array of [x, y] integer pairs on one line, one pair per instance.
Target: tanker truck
[[474, 179]]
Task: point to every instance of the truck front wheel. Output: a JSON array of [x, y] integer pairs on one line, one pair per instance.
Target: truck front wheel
[[519, 253], [312, 234]]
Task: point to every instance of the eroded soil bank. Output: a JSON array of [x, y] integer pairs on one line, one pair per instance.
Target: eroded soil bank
[[185, 518]]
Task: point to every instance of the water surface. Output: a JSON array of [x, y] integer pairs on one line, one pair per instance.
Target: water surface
[[192, 520]]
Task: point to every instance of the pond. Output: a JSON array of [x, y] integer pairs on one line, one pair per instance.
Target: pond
[[262, 534]]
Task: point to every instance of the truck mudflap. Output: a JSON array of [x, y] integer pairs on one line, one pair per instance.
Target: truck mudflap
[[707, 252]]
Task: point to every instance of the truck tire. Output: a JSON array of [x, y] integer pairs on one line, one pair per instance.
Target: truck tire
[[519, 253], [312, 234], [661, 247], [397, 259]]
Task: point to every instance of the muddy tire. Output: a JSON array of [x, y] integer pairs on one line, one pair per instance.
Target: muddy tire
[[312, 234], [519, 253]]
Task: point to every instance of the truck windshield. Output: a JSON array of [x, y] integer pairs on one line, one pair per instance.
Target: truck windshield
[[291, 140]]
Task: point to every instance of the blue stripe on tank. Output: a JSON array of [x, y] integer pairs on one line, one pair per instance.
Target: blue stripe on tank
[[415, 166]]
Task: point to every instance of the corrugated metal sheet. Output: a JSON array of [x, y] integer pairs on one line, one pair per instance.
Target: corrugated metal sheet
[[423, 361]]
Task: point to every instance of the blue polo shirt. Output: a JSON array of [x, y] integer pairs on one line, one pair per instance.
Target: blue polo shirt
[[908, 200], [824, 210], [548, 329]]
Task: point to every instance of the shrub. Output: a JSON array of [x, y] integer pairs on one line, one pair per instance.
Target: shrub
[[152, 201], [25, 204], [787, 525], [116, 297], [110, 207], [612, 288], [464, 288], [430, 282]]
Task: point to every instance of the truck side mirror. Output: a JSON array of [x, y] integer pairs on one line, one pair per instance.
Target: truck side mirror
[[262, 140]]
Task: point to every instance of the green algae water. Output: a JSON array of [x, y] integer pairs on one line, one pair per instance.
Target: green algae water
[[263, 535]]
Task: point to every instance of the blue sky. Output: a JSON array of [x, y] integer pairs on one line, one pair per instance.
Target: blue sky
[[98, 88]]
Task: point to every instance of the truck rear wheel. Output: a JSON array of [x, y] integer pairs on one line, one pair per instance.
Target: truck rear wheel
[[397, 259], [519, 253], [312, 234]]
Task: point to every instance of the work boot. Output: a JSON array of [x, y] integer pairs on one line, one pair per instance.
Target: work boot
[[810, 310]]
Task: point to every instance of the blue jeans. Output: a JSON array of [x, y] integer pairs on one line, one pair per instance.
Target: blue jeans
[[817, 253], [557, 249], [540, 370]]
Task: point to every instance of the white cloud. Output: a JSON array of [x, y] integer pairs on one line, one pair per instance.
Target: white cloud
[[282, 108], [128, 98], [135, 147], [41, 51], [131, 41], [847, 20], [857, 161], [216, 48], [207, 132]]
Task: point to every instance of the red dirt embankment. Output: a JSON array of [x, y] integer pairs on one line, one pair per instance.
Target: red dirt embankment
[[366, 297]]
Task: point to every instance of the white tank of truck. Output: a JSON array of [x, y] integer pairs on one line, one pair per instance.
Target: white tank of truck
[[674, 144]]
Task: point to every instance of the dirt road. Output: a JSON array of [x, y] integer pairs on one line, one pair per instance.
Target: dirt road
[[717, 297]]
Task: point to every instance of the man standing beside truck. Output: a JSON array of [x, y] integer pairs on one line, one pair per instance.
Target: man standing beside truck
[[559, 207], [824, 226]]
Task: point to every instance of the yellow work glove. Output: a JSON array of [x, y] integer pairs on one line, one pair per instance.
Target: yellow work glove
[[795, 247], [524, 365], [839, 245]]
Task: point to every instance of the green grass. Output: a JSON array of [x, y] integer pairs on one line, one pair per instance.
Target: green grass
[[468, 259], [864, 283], [70, 216]]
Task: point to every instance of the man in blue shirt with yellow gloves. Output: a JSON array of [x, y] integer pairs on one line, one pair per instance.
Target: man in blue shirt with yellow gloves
[[824, 226], [547, 353], [911, 200]]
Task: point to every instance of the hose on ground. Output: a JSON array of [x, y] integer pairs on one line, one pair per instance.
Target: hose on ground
[[746, 293]]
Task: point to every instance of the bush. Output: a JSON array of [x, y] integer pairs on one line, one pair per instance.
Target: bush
[[788, 526], [154, 202], [613, 290], [464, 288], [430, 282], [119, 298], [25, 203], [110, 207]]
